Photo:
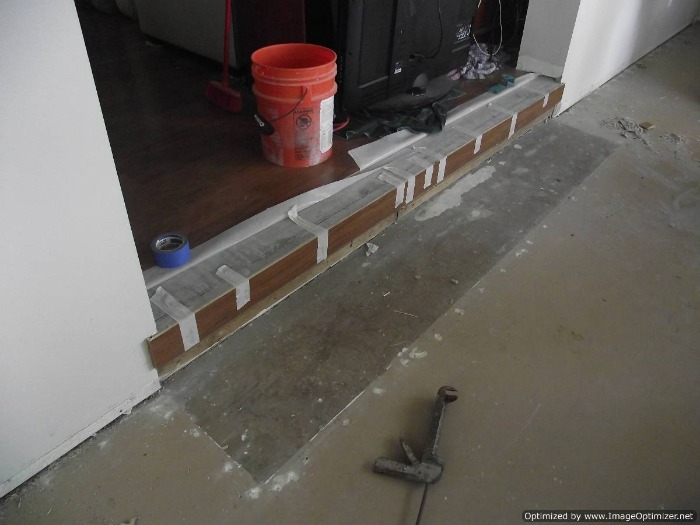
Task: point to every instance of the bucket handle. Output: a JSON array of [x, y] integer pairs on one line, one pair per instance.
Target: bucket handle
[[266, 127]]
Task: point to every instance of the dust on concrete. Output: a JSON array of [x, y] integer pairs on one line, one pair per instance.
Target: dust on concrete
[[628, 128], [452, 197], [324, 342]]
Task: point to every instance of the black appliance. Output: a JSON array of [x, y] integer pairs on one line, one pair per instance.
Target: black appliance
[[386, 47]]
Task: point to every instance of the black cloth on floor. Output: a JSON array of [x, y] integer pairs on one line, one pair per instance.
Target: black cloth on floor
[[427, 119]]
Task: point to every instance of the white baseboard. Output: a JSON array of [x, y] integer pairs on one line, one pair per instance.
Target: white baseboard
[[44, 461]]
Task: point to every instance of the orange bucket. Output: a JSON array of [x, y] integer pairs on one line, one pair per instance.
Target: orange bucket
[[294, 86]]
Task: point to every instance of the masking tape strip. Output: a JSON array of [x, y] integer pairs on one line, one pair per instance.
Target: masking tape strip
[[442, 144], [428, 176], [428, 154], [408, 176], [476, 136], [466, 132], [424, 165], [458, 137], [400, 171], [314, 229], [418, 162], [513, 122], [429, 158], [539, 92], [395, 181], [421, 161], [240, 282], [179, 312], [513, 118], [441, 170], [410, 189]]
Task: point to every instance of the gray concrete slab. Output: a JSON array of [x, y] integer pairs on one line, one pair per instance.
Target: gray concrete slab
[[279, 381]]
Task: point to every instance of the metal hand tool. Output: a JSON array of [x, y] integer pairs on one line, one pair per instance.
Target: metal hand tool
[[429, 469]]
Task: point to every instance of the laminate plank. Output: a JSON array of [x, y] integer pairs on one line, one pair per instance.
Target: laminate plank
[[495, 135], [352, 227], [347, 215], [165, 347], [197, 286]]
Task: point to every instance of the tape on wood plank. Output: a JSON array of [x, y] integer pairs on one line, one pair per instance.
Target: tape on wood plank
[[428, 176], [408, 177], [320, 232], [419, 162], [513, 118], [395, 181], [425, 164], [240, 282], [441, 170], [410, 188], [428, 154], [430, 158], [513, 122], [180, 313], [472, 134], [545, 94]]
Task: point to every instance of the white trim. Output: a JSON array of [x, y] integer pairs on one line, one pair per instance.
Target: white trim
[[540, 67], [76, 439]]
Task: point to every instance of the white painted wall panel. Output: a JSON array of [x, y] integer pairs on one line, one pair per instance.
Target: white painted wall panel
[[73, 304], [547, 36], [610, 36], [587, 42]]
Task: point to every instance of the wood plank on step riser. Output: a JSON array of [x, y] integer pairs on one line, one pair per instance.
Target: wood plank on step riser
[[526, 116], [220, 311], [168, 345], [218, 316], [248, 315], [497, 134], [352, 227]]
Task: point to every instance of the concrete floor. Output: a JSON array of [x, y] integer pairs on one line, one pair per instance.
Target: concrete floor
[[281, 380], [573, 341]]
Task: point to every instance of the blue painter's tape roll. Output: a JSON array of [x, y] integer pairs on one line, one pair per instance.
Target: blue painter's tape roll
[[170, 250]]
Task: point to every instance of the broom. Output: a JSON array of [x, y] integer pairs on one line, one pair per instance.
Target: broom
[[220, 93]]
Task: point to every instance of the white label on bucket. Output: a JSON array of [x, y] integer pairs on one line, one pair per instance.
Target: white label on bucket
[[326, 123]]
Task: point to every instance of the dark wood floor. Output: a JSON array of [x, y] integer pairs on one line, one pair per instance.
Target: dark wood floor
[[184, 164]]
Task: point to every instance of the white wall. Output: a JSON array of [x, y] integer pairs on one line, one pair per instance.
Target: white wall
[[547, 36], [73, 305], [611, 35], [599, 38]]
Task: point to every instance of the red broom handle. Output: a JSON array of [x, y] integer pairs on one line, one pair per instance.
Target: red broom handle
[[227, 43]]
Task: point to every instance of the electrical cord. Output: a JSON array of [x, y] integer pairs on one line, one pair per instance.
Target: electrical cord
[[266, 126], [500, 24], [337, 126], [306, 91]]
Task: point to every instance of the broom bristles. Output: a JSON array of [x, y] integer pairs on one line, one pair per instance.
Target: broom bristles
[[224, 97]]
